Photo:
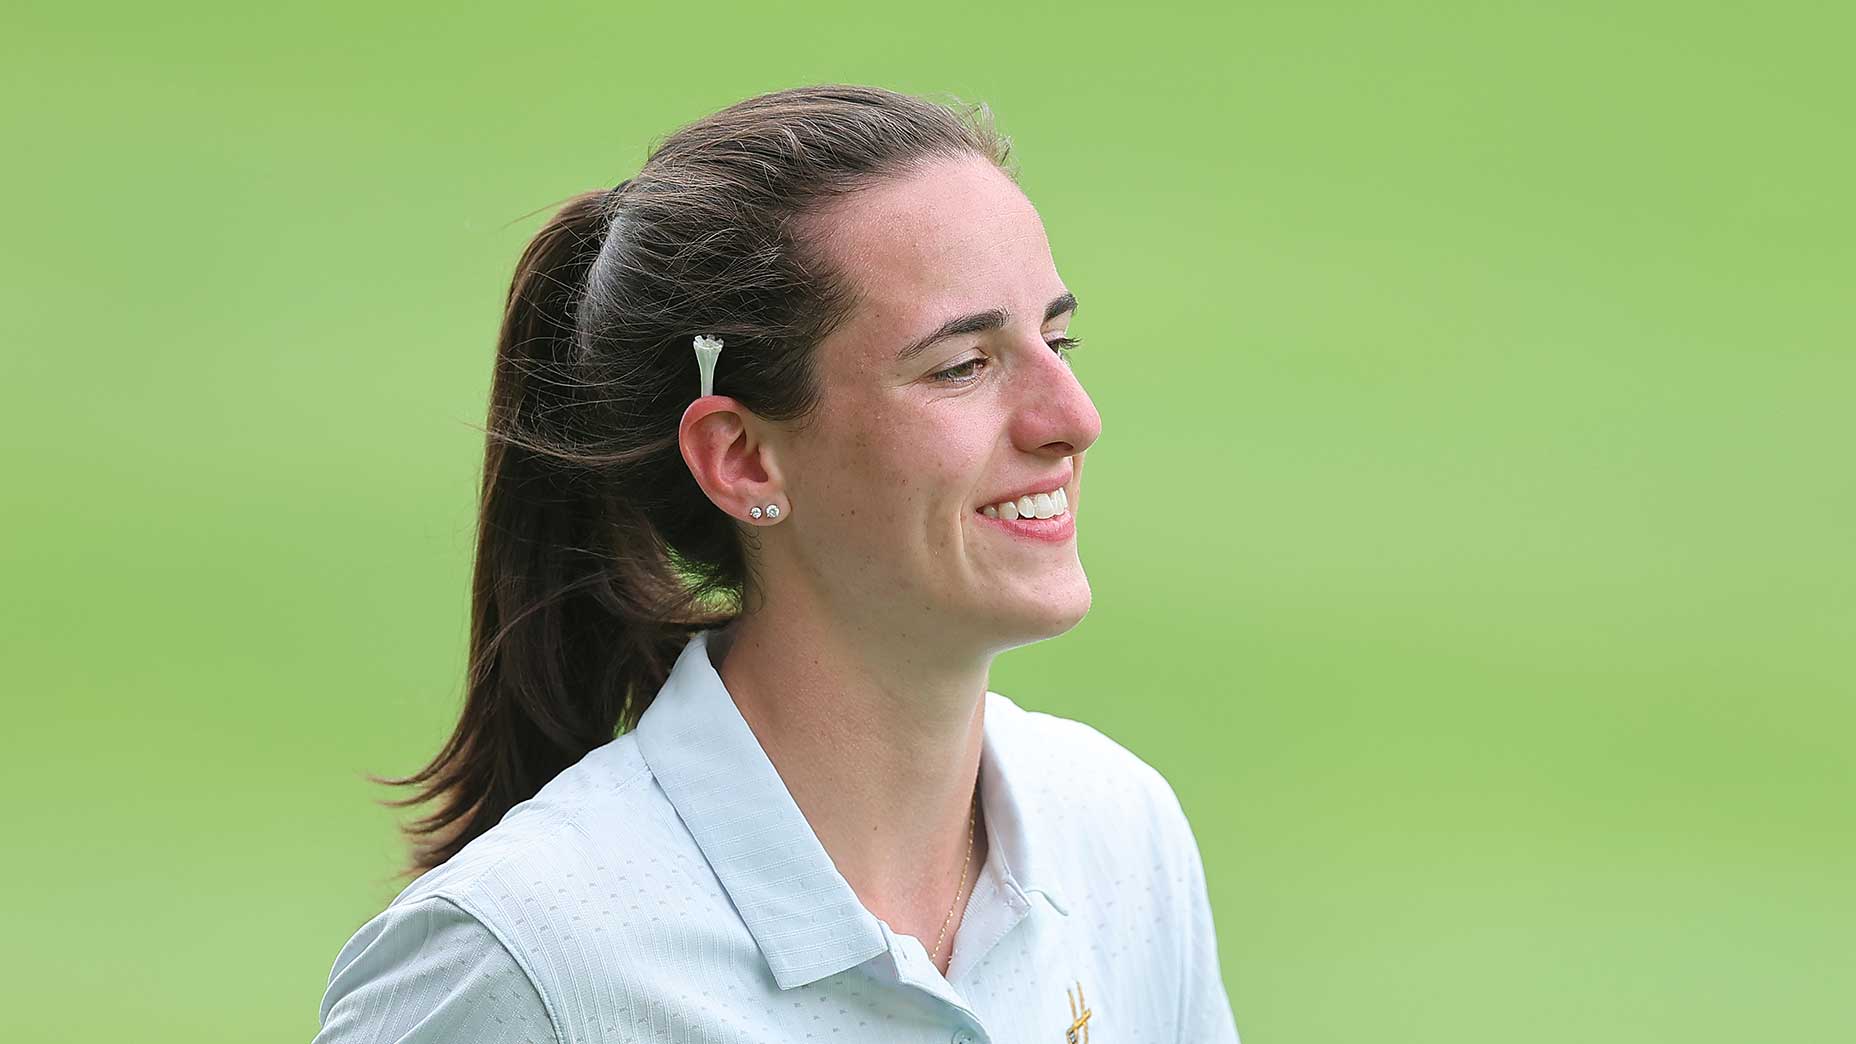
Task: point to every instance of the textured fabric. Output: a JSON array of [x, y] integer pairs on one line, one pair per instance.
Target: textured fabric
[[667, 888], [427, 970]]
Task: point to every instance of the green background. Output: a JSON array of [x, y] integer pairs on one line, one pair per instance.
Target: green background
[[1470, 529]]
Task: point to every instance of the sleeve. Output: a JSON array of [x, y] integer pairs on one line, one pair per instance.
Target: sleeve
[[1204, 1007], [426, 972]]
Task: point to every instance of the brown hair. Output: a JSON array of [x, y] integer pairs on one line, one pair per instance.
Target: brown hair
[[598, 555]]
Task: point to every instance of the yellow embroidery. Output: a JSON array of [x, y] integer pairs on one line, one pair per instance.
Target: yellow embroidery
[[1078, 1032]]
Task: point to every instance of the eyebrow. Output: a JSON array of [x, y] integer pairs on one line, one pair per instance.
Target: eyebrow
[[992, 319]]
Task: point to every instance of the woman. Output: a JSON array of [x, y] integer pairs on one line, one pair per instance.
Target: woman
[[780, 574]]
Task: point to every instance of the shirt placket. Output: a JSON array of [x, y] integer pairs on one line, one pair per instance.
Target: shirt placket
[[993, 910]]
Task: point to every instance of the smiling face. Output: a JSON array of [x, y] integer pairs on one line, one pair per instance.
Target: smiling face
[[888, 482]]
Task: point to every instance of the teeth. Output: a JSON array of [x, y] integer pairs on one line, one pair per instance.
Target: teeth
[[1032, 505]]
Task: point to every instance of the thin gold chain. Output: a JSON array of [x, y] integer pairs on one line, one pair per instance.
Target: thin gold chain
[[972, 815]]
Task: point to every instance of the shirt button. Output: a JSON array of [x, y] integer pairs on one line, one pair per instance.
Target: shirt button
[[964, 1037]]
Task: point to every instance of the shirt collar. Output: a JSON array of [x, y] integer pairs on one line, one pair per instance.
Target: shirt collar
[[800, 910], [1016, 781]]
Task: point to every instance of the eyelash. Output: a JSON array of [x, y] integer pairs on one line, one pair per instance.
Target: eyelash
[[1063, 346]]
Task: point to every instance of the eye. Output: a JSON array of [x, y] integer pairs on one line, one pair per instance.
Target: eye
[[963, 372], [957, 374]]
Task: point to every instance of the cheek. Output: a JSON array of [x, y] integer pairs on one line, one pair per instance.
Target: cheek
[[898, 464], [850, 478], [929, 473]]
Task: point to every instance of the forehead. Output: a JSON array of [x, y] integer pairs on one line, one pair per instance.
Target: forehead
[[952, 237]]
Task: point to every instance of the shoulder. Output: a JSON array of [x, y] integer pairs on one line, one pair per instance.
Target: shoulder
[[1092, 783], [598, 854], [428, 971], [1127, 858], [605, 807], [1076, 752]]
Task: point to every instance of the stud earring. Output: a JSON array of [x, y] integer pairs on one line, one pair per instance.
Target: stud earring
[[773, 511]]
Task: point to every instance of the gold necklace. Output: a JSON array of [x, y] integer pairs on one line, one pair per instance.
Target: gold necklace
[[972, 815]]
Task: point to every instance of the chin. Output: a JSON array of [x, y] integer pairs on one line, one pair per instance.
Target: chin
[[1043, 613]]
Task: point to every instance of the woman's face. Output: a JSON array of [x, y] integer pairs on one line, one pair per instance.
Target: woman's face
[[888, 483]]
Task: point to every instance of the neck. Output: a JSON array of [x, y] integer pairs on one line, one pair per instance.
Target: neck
[[879, 745]]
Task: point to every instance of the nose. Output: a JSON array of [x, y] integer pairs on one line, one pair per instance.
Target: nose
[[1053, 415]]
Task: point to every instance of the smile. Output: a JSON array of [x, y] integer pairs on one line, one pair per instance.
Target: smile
[[1046, 521], [1031, 505]]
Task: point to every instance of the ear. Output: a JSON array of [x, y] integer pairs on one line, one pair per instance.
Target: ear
[[721, 441]]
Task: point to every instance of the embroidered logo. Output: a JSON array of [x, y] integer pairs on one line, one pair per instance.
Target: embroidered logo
[[1078, 1033]]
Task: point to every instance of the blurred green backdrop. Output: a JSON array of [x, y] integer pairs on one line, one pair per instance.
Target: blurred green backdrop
[[1470, 530]]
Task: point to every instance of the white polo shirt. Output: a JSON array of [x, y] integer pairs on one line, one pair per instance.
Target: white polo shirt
[[667, 888]]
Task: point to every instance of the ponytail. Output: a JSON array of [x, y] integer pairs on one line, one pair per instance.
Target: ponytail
[[573, 597]]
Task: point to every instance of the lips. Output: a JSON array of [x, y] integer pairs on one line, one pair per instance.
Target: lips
[[1036, 486], [1057, 529]]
